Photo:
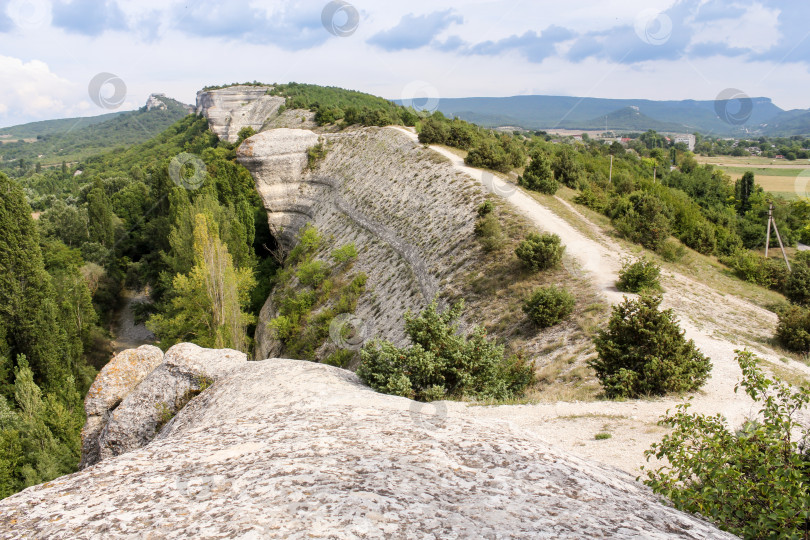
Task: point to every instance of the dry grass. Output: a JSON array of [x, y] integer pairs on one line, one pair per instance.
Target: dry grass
[[495, 292]]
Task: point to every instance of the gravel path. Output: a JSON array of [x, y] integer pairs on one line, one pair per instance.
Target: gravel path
[[718, 323], [129, 335]]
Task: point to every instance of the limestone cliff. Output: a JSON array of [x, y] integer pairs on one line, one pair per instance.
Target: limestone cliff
[[235, 107], [292, 449], [410, 215]]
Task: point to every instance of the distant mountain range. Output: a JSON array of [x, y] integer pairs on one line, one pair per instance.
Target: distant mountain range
[[548, 112], [71, 139]]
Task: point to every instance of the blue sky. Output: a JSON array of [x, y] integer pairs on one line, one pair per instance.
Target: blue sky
[[654, 49]]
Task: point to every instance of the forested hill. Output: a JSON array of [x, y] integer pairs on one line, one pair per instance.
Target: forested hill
[[49, 143], [570, 112]]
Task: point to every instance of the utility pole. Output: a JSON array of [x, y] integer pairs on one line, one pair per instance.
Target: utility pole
[[772, 223], [655, 170]]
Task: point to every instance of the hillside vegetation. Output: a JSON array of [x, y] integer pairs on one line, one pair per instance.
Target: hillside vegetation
[[74, 140]]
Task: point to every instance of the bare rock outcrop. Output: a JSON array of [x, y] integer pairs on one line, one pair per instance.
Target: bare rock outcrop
[[278, 159], [152, 397], [116, 381], [409, 213], [292, 449], [230, 109]]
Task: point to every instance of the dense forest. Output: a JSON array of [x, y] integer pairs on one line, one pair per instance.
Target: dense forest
[[133, 219]]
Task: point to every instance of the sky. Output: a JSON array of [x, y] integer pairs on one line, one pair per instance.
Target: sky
[[65, 58]]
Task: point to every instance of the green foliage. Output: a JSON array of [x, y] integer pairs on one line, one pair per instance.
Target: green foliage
[[331, 104], [323, 292], [643, 352], [316, 154], [441, 364], [540, 251], [753, 481], [207, 303], [671, 250], [489, 232], [755, 268], [485, 208], [744, 188], [602, 436], [539, 176], [638, 276], [644, 221], [793, 329], [549, 305], [567, 168], [797, 284], [345, 253]]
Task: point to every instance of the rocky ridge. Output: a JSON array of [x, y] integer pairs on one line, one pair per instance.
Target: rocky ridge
[[292, 449], [235, 107]]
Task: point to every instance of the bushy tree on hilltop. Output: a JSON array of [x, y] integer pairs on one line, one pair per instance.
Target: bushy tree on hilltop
[[643, 352]]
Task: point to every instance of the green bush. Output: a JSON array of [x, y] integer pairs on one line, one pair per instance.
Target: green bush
[[793, 329], [489, 232], [638, 276], [442, 364], [643, 352], [549, 305], [538, 176], [644, 221], [671, 250], [540, 251], [312, 273], [345, 253], [753, 482], [797, 284], [485, 208], [755, 268]]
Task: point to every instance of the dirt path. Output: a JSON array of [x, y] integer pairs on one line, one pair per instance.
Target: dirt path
[[718, 323], [129, 335]]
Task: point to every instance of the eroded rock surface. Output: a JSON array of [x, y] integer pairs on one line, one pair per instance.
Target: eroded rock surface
[[291, 449], [152, 400], [116, 381], [230, 109]]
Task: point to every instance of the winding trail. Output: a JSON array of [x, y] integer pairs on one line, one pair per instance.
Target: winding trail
[[718, 323], [129, 335]]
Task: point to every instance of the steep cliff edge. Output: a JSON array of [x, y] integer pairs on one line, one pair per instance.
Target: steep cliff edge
[[292, 449], [235, 107]]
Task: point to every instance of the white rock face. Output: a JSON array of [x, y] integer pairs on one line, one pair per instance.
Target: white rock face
[[277, 159], [230, 109], [291, 449], [154, 102], [410, 215], [115, 382], [155, 387]]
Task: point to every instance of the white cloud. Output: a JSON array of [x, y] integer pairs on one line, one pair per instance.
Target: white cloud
[[30, 89]]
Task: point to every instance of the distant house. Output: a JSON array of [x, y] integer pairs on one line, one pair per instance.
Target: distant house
[[688, 140]]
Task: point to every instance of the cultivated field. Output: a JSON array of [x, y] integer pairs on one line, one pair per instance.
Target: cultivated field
[[787, 178]]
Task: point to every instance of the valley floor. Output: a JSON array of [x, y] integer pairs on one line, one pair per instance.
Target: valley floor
[[718, 322]]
